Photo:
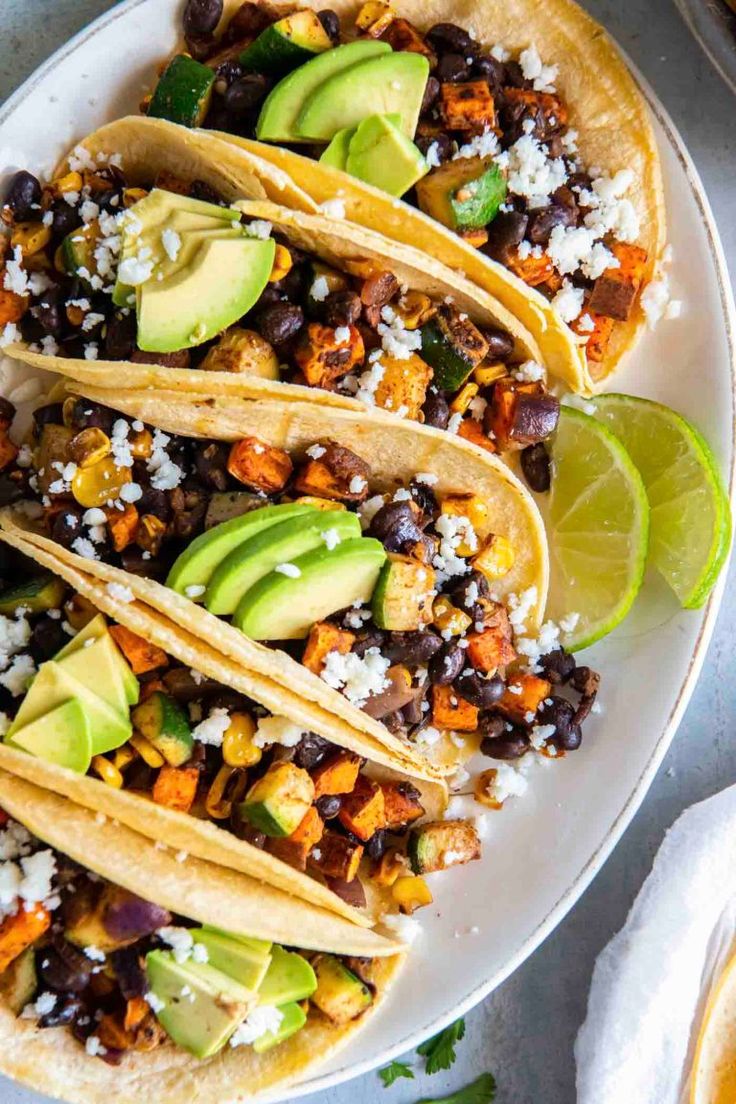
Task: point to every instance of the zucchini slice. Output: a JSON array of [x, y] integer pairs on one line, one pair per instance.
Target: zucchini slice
[[183, 92]]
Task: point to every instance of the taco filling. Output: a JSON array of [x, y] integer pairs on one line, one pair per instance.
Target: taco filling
[[473, 135]]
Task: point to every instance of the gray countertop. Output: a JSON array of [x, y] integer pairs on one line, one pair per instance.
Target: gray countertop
[[525, 1031]]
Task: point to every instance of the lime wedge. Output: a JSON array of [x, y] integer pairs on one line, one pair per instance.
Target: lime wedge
[[598, 526], [690, 512]]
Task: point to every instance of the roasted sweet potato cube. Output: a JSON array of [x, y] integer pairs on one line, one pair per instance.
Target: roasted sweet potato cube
[[12, 306], [403, 386], [597, 338], [325, 354], [21, 931], [324, 637], [259, 465], [337, 775], [402, 804], [472, 431], [451, 711], [520, 414], [141, 655], [533, 268], [176, 787], [122, 526], [337, 857], [136, 1010], [363, 812], [524, 694], [490, 649], [401, 35], [332, 471], [112, 1033], [8, 451], [467, 106], [295, 849], [614, 293], [550, 106]]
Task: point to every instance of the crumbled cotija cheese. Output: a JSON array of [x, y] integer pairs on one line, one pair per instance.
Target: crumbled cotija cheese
[[358, 677]]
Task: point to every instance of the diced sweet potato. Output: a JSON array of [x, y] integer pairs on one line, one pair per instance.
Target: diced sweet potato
[[515, 704], [533, 269], [324, 355], [324, 637], [176, 787], [295, 849], [403, 386], [490, 649], [363, 811], [136, 1010], [402, 804], [21, 931], [8, 451], [259, 465], [520, 414], [141, 655], [12, 306], [614, 293], [467, 106], [112, 1033], [472, 431], [597, 338], [451, 711], [336, 472], [337, 775], [337, 857], [550, 106], [401, 35], [122, 526]]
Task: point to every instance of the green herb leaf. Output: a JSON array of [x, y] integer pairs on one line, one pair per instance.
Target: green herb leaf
[[480, 1091], [440, 1050], [394, 1072]]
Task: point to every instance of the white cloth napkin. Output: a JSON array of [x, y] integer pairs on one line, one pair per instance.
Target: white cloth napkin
[[651, 982]]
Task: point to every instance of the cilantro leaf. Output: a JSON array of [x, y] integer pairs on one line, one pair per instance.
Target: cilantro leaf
[[394, 1072], [440, 1050], [480, 1091]]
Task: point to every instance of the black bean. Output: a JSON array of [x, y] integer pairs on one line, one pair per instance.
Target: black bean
[[63, 968], [51, 414], [120, 338], [436, 409], [249, 20], [202, 16], [66, 219], [395, 525], [490, 70], [311, 750], [86, 415], [448, 36], [558, 666], [243, 94], [515, 76], [543, 221], [49, 312], [7, 412], [67, 526], [508, 745], [65, 1011], [377, 844], [412, 648], [200, 46], [585, 680], [480, 691], [11, 490], [446, 665], [561, 714], [131, 976], [374, 638], [268, 298], [500, 345], [413, 713], [23, 195], [47, 639], [281, 323], [329, 806], [431, 92], [536, 467], [229, 71], [210, 462], [469, 593], [505, 233], [442, 144], [341, 308], [453, 68], [155, 502], [330, 20]]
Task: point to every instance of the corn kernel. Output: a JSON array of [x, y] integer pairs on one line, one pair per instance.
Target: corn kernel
[[282, 264], [391, 866], [411, 893], [123, 757], [107, 771], [215, 803], [75, 316], [141, 444], [320, 503], [481, 790], [486, 374], [496, 557], [70, 182], [131, 196], [463, 399], [475, 509], [96, 485], [79, 611], [448, 618], [374, 17], [89, 447], [238, 749], [150, 755], [414, 309], [32, 237], [150, 533]]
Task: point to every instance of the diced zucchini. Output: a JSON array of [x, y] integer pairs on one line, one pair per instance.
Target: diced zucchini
[[464, 194], [286, 43], [278, 802], [163, 721], [402, 600], [340, 994], [46, 592], [78, 251], [441, 844], [183, 92], [226, 505], [18, 983], [453, 347]]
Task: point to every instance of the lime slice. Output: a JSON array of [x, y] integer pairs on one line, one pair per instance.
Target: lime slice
[[690, 512], [598, 525]]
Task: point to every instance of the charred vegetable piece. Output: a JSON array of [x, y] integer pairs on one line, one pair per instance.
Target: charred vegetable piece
[[325, 354], [467, 106], [278, 802], [110, 917], [53, 448], [240, 350], [451, 711], [464, 194], [533, 268], [295, 849], [473, 432], [19, 981], [340, 995], [337, 856], [490, 649], [524, 694], [398, 694], [287, 43], [549, 106], [363, 811], [324, 637], [374, 18], [520, 414], [496, 557], [402, 804], [164, 723], [453, 346], [183, 93], [597, 338], [141, 656], [614, 293], [402, 601], [176, 787], [259, 465], [43, 593], [78, 251], [441, 844], [336, 473], [402, 35], [336, 775], [20, 931], [226, 505], [402, 388]]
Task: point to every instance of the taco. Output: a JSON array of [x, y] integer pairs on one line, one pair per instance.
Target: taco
[[120, 966], [516, 134], [325, 311]]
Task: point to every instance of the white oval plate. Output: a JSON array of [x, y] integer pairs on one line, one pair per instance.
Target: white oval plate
[[545, 847]]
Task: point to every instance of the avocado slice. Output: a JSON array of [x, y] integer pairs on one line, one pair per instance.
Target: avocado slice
[[294, 1019], [340, 993], [196, 565], [382, 155], [336, 154], [183, 92], [95, 630], [202, 1021], [464, 194], [45, 592], [54, 686], [165, 724], [245, 960], [280, 111], [61, 736], [288, 42], [402, 600], [393, 83], [278, 802], [19, 982], [289, 978], [282, 607], [195, 304], [278, 544], [98, 666]]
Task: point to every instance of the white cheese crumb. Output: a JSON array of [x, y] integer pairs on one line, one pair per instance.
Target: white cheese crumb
[[288, 569], [212, 730], [277, 730]]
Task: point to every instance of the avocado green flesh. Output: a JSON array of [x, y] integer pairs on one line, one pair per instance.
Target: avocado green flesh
[[61, 736], [293, 1019], [280, 111], [36, 596], [183, 92], [197, 564], [98, 668], [391, 84], [246, 964], [289, 978], [288, 42], [94, 630], [336, 154], [280, 607], [165, 724], [256, 557], [381, 155]]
